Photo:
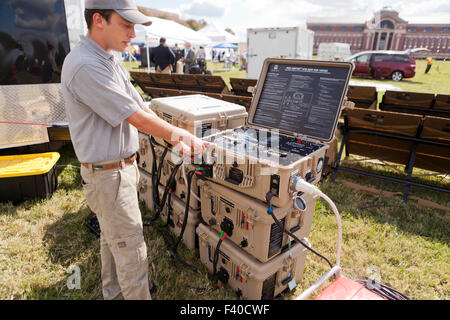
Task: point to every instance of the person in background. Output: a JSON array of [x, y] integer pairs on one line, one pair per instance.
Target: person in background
[[163, 57], [201, 54], [49, 65], [179, 53], [180, 66], [430, 61], [189, 57]]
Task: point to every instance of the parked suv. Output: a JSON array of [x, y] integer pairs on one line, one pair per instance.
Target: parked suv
[[395, 65]]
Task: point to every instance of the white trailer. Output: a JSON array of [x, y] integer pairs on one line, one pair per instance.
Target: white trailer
[[262, 43], [333, 51]]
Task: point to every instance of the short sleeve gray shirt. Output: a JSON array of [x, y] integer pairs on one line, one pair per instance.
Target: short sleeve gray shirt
[[99, 97]]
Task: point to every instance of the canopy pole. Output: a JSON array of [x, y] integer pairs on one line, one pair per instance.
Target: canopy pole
[[212, 61], [148, 53], [148, 59]]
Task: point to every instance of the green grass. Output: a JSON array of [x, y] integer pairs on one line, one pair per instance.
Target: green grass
[[407, 244], [41, 239]]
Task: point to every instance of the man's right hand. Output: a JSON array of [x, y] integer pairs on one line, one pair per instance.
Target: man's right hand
[[197, 146]]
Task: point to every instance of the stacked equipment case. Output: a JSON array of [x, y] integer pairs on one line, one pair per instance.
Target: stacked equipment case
[[253, 219]]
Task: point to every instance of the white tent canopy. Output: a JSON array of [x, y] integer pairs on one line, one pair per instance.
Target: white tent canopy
[[171, 30], [217, 35]]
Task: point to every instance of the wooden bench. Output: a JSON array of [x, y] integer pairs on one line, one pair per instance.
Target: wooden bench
[[194, 82], [412, 102], [240, 86], [406, 139], [163, 92]]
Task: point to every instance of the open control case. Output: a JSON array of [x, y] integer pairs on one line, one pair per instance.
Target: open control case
[[292, 120]]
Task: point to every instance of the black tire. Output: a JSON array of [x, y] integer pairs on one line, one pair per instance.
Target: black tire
[[397, 75]]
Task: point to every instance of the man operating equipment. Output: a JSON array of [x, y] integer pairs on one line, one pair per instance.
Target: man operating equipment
[[105, 113]]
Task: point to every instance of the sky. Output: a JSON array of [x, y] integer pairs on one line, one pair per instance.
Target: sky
[[242, 14]]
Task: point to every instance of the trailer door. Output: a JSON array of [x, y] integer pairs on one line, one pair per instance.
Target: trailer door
[[270, 43]]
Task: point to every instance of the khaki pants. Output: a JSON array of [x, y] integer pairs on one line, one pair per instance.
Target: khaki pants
[[167, 69], [112, 195]]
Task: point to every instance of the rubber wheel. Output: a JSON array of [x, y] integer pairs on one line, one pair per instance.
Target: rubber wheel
[[397, 76]]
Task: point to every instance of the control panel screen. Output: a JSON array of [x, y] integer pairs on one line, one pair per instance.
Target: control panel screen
[[303, 99]]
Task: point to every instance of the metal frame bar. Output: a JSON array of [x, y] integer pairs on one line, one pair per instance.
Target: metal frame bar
[[409, 167], [397, 180]]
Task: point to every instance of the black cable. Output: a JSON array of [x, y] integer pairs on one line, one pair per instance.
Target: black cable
[[155, 193], [161, 161], [382, 290], [185, 219], [167, 196], [160, 203], [216, 257], [270, 211], [166, 190], [169, 183], [169, 208], [186, 211]]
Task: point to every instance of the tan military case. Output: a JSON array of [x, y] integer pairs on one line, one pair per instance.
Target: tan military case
[[144, 153], [252, 279], [254, 229], [145, 189], [170, 160], [259, 175], [199, 114], [177, 214]]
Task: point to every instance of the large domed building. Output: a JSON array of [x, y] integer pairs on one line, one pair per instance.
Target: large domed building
[[384, 31]]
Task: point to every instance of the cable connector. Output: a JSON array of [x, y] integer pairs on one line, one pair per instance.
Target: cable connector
[[206, 171], [223, 235], [300, 185]]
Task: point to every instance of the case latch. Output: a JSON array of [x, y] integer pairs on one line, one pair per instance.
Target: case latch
[[203, 238], [223, 120], [244, 273]]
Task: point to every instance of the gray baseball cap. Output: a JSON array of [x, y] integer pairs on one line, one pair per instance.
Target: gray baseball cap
[[127, 9]]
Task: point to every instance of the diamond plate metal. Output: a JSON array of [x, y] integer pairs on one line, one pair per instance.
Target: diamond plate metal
[[37, 104], [41, 103], [21, 135]]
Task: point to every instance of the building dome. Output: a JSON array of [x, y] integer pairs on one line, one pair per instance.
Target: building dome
[[387, 8]]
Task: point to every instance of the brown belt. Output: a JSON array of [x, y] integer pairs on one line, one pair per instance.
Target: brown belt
[[113, 165]]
